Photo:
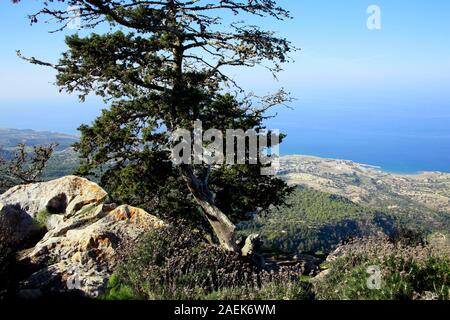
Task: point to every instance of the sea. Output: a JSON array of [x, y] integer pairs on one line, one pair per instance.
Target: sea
[[398, 137], [408, 135]]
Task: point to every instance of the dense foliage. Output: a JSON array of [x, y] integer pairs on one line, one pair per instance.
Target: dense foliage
[[407, 272], [317, 221], [176, 264]]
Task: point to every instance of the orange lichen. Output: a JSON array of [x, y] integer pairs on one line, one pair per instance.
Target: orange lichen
[[127, 213], [136, 216]]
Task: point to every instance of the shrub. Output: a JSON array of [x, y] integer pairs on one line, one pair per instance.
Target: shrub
[[118, 291], [274, 290], [175, 263], [407, 272], [41, 218]]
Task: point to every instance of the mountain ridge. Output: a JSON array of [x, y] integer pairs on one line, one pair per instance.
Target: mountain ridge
[[10, 138]]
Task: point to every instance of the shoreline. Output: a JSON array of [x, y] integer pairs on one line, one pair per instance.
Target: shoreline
[[372, 167]]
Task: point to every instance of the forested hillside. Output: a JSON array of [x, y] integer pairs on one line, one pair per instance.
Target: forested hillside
[[318, 221]]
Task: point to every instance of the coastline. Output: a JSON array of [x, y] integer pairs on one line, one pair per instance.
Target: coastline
[[380, 169]]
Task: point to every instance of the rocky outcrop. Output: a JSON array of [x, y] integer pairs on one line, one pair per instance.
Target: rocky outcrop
[[29, 204], [65, 195], [85, 235]]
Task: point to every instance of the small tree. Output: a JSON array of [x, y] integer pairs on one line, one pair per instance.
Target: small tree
[[24, 166], [162, 66]]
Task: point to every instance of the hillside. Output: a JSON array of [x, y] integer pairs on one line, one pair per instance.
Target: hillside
[[335, 202], [338, 199], [423, 197], [10, 138], [315, 221], [62, 163]]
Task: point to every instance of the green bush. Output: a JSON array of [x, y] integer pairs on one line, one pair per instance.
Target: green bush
[[41, 218], [407, 272], [118, 291], [276, 290], [174, 264]]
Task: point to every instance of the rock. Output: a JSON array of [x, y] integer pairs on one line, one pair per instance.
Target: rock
[[322, 275], [307, 264], [345, 249], [250, 249], [81, 252], [84, 240], [17, 225], [339, 252], [251, 245], [22, 205], [65, 195]]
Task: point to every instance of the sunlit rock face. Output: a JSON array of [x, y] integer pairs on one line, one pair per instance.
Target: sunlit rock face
[[84, 234]]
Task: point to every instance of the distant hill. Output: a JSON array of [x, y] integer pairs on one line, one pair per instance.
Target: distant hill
[[63, 162], [340, 199], [424, 197], [10, 138], [315, 221]]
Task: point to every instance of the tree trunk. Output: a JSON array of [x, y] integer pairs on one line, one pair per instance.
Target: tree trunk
[[222, 226]]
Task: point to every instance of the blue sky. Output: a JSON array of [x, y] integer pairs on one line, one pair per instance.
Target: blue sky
[[341, 60], [343, 71]]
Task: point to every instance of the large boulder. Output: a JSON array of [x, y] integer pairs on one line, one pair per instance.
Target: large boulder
[[85, 235], [65, 195], [25, 206], [82, 251]]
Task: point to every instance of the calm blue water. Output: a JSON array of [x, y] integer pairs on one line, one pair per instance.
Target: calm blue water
[[398, 136]]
